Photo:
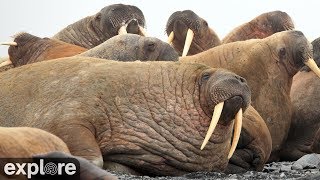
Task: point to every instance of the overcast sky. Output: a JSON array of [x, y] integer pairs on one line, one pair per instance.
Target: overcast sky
[[45, 18]]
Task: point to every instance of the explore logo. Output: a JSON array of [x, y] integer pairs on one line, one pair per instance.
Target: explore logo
[[42, 168]]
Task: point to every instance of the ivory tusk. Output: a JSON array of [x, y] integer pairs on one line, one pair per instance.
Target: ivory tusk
[[236, 134], [170, 38], [7, 62], [143, 31], [313, 66], [9, 43], [188, 42], [214, 121], [123, 30]]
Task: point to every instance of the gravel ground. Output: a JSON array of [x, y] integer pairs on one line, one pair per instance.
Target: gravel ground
[[279, 170]]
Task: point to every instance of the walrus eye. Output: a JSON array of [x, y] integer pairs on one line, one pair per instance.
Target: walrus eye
[[282, 53], [151, 46], [205, 77]]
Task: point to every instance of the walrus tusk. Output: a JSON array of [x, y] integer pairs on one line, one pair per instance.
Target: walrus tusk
[[123, 30], [313, 66], [188, 42], [170, 38], [236, 134], [7, 62], [9, 43], [143, 31], [214, 121]]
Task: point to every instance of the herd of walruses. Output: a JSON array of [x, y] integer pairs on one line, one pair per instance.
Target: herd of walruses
[[103, 92]]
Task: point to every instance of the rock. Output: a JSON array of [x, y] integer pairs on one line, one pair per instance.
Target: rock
[[309, 161]]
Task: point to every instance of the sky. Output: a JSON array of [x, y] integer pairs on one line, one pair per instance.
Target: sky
[[46, 18]]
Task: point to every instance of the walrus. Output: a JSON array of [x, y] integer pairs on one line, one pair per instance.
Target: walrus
[[268, 65], [23, 142], [152, 117], [305, 123], [131, 47], [187, 30], [87, 169], [27, 48], [261, 27], [110, 21]]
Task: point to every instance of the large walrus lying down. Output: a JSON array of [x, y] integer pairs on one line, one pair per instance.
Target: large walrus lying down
[[182, 24], [268, 65], [305, 95], [261, 27], [151, 117], [26, 49], [110, 21]]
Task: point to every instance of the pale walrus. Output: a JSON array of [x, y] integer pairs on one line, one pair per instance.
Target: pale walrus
[[187, 30], [268, 65], [27, 48], [110, 21], [303, 137], [261, 27], [151, 117]]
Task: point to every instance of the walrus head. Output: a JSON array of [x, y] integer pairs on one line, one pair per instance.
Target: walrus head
[[121, 19], [294, 51], [188, 28], [27, 48], [272, 22], [316, 54]]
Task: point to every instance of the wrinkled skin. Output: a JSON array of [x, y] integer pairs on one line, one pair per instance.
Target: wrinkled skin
[[261, 27], [87, 169], [31, 49], [131, 47], [303, 137], [149, 116], [268, 65], [94, 30], [204, 37], [254, 146]]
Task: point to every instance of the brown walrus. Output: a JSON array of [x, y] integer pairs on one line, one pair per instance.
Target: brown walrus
[[187, 30], [110, 21], [268, 65], [23, 142], [261, 27], [149, 116], [27, 48], [303, 137]]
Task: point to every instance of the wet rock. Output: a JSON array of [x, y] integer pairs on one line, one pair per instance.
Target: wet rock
[[308, 161]]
